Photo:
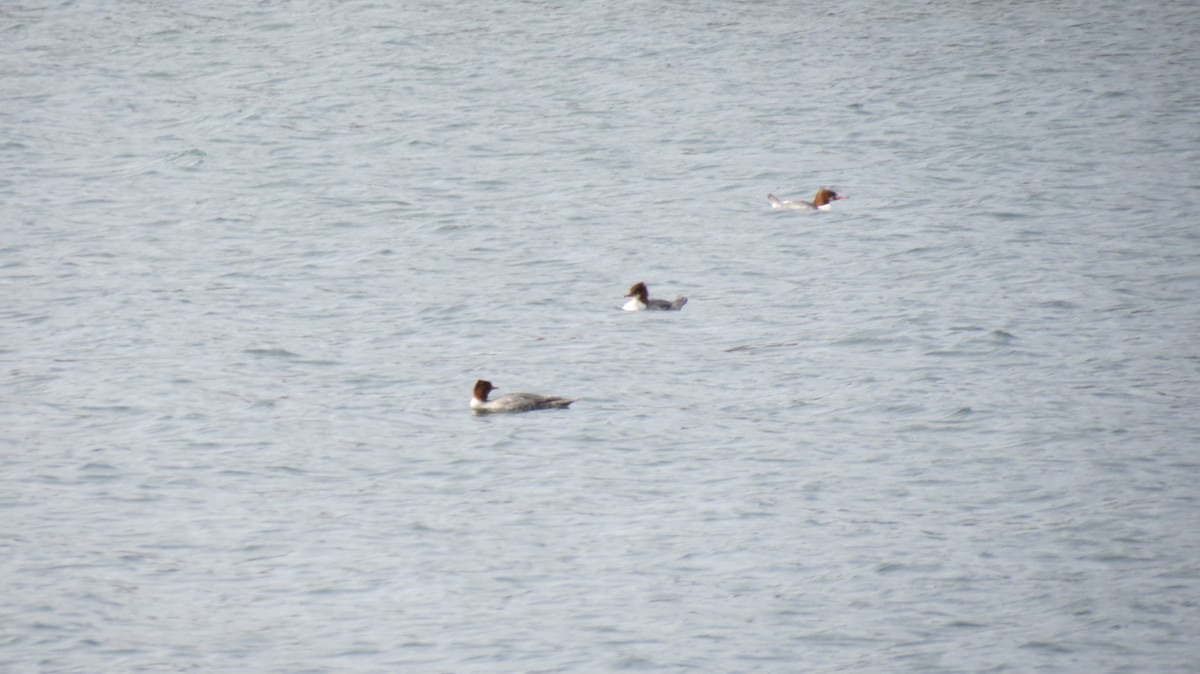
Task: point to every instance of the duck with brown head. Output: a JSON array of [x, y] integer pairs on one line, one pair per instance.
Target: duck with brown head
[[641, 300], [823, 201], [513, 402]]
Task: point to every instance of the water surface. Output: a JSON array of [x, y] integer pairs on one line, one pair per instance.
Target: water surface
[[255, 256]]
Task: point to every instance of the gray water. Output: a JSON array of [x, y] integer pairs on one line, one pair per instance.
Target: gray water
[[255, 255]]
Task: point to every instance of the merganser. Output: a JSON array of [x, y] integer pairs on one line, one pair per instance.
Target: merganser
[[513, 402], [822, 202], [641, 300]]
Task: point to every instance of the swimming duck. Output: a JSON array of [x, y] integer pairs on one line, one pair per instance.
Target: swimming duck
[[513, 402], [823, 201], [641, 300]]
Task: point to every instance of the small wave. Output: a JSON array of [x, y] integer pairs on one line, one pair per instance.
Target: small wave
[[759, 347], [271, 353]]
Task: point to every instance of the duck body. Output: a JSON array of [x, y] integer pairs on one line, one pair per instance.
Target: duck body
[[823, 201], [641, 301], [513, 402]]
